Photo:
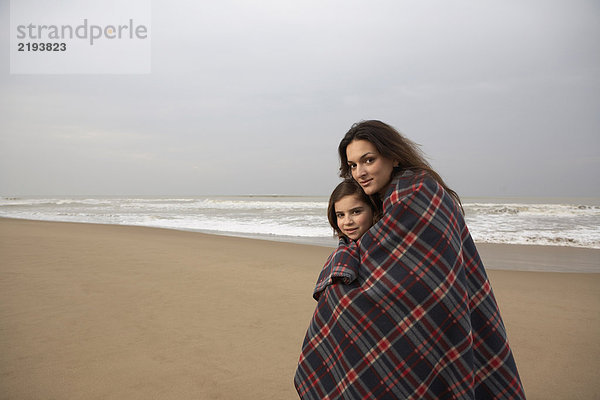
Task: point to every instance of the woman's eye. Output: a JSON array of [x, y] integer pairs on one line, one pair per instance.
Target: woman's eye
[[352, 166], [369, 160]]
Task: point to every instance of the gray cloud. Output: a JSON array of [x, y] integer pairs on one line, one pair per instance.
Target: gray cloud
[[254, 98]]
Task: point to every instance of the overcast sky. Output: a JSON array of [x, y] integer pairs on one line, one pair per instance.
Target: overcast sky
[[253, 97]]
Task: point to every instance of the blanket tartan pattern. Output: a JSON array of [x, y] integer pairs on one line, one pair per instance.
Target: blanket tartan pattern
[[407, 312]]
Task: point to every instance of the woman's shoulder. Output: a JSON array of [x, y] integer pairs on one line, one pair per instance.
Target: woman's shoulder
[[409, 182]]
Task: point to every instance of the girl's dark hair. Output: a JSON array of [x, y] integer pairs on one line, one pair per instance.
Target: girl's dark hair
[[390, 144], [349, 187]]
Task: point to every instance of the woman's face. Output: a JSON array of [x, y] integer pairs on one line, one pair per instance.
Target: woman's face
[[369, 168], [354, 217]]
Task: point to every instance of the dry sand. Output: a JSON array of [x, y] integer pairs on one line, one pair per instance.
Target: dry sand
[[113, 312]]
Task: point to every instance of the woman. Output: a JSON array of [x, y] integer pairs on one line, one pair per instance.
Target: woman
[[414, 315]]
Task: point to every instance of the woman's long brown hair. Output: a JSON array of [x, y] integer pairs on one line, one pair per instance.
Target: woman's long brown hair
[[390, 144]]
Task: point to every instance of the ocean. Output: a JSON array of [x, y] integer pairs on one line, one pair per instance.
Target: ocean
[[555, 222]]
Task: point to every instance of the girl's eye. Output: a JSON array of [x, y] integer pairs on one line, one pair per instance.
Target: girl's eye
[[369, 160], [352, 166], [339, 215]]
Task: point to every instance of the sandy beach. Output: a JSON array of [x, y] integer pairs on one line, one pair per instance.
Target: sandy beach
[[115, 312]]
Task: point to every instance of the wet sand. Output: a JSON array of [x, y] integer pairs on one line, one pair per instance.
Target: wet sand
[[115, 312]]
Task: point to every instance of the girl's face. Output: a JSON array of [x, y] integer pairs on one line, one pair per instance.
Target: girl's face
[[369, 168], [354, 216]]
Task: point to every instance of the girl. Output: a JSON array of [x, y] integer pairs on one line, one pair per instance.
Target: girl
[[350, 211], [406, 312]]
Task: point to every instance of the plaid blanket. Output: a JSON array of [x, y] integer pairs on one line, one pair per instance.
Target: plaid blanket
[[407, 312]]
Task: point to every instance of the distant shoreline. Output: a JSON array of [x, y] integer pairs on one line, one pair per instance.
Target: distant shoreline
[[513, 257], [586, 200]]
